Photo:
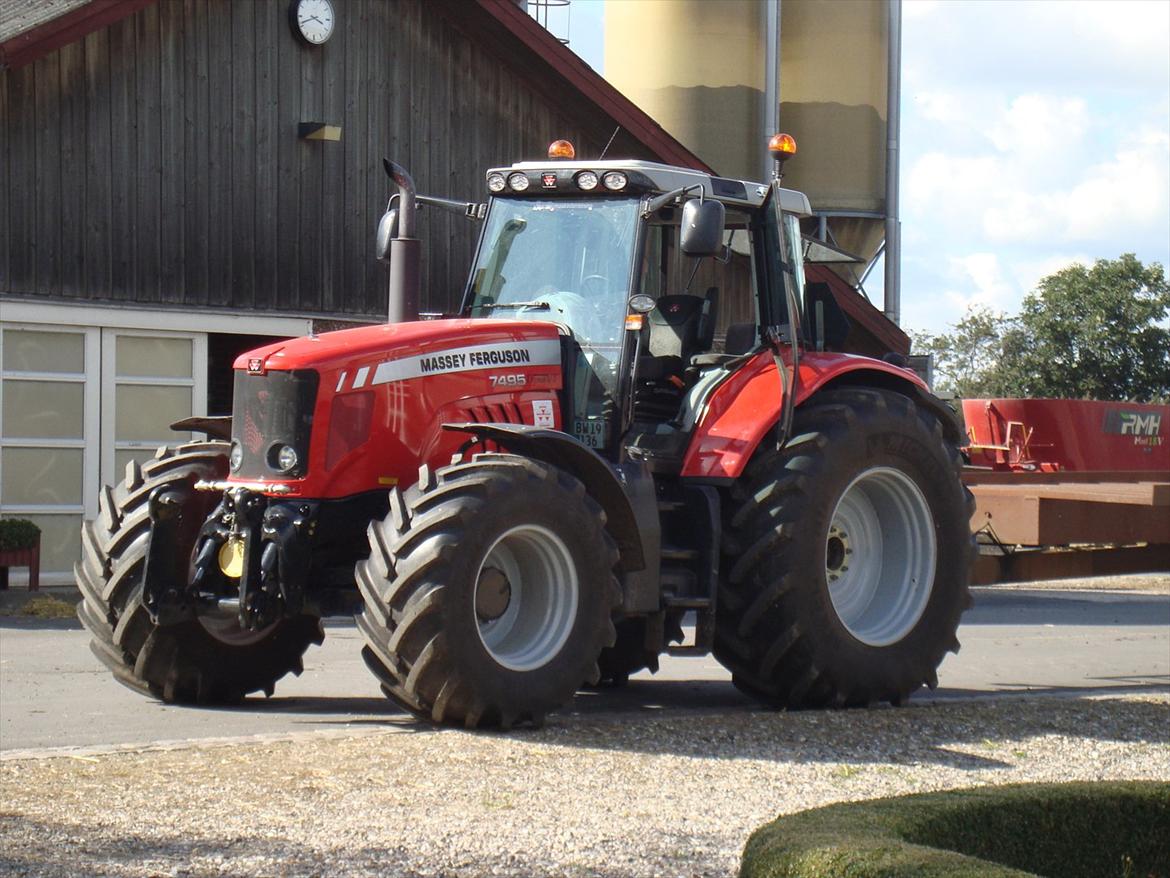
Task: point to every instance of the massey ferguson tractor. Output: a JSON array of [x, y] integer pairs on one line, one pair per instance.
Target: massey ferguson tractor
[[536, 493]]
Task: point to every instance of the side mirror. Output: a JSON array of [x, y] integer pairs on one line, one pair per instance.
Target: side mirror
[[387, 232], [702, 228]]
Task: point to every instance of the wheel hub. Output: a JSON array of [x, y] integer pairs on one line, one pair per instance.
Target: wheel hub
[[837, 552], [493, 594], [880, 556], [526, 597]]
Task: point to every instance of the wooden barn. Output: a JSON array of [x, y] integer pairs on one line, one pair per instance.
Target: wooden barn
[[183, 179]]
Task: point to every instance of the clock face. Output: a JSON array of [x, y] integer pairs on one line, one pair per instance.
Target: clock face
[[313, 19]]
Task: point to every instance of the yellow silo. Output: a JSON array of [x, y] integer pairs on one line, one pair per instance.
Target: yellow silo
[[713, 72]]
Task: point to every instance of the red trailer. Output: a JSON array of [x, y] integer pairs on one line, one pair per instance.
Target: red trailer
[[1068, 487]]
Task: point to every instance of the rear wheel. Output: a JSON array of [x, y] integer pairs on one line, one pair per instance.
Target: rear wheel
[[207, 660], [847, 556], [488, 592]]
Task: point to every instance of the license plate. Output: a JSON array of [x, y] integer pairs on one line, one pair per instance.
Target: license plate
[[590, 433]]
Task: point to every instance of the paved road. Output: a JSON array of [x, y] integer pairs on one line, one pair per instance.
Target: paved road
[[53, 692]]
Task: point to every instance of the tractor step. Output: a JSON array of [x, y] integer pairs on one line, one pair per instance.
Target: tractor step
[[704, 637], [685, 602], [677, 553]]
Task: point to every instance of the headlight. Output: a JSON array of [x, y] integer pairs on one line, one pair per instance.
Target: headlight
[[496, 182], [518, 182], [587, 180], [282, 458], [236, 456], [614, 181]]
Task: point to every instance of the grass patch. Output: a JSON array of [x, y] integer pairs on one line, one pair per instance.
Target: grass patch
[[1075, 830], [48, 607]]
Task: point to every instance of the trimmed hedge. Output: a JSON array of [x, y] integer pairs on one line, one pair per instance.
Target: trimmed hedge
[[17, 533], [1074, 830]]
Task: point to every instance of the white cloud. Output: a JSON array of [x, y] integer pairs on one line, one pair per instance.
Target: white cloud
[[1132, 33], [1038, 127], [1130, 190], [1099, 45], [982, 282], [1035, 181]]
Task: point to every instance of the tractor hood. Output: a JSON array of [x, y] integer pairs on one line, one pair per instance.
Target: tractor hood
[[359, 410], [398, 351]]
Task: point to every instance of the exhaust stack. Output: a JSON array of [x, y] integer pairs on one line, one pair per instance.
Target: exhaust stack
[[403, 252]]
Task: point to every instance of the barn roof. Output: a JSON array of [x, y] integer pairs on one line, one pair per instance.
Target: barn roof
[[30, 29]]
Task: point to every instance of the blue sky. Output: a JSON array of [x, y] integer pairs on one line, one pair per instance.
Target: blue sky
[[1035, 133]]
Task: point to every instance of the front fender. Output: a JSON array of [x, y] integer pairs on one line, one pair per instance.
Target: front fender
[[604, 483], [745, 408]]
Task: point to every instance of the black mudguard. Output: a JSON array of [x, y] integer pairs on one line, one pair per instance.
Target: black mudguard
[[629, 511]]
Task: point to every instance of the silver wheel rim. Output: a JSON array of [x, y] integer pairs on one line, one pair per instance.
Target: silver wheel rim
[[880, 556], [542, 595]]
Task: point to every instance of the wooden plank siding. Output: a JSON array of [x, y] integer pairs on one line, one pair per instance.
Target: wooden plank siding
[[156, 161]]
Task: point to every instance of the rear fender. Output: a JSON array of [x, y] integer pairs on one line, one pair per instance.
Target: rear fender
[[744, 409], [604, 483]]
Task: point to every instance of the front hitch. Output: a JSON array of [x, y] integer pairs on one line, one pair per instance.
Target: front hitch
[[257, 546]]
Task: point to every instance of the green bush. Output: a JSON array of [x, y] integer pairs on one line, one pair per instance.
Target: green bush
[[17, 533], [1075, 830]]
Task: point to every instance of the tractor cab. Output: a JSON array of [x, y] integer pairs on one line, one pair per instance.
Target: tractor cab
[[660, 279]]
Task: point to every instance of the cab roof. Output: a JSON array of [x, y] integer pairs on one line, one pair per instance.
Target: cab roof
[[648, 177]]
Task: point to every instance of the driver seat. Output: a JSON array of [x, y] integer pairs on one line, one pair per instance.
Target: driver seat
[[680, 326]]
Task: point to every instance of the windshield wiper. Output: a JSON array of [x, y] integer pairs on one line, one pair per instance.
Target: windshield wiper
[[540, 306]]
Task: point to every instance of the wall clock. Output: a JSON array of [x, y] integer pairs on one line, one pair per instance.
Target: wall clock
[[312, 20]]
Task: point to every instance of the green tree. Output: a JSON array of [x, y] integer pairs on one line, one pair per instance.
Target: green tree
[[965, 359], [1096, 332]]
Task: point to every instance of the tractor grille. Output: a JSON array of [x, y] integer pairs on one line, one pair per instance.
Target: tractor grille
[[508, 413], [269, 411]]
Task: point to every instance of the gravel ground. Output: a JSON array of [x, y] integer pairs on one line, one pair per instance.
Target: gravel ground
[[1153, 583], [662, 796]]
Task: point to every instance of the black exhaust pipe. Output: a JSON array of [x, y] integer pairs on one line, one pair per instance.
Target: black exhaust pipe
[[404, 250]]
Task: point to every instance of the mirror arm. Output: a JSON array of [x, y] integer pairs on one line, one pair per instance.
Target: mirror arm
[[469, 209], [655, 204]]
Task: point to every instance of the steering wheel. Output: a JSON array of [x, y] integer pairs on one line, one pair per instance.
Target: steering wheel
[[596, 278]]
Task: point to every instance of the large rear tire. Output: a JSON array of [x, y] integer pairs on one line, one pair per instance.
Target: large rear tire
[[488, 592], [194, 661], [847, 556]]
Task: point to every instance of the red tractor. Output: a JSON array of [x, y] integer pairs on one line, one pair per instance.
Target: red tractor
[[533, 494]]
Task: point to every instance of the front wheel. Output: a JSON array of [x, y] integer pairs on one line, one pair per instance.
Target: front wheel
[[848, 555], [488, 592], [205, 660]]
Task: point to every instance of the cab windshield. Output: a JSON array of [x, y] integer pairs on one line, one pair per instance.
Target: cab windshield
[[566, 261]]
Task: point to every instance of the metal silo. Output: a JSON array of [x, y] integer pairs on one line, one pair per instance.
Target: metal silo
[[715, 73]]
